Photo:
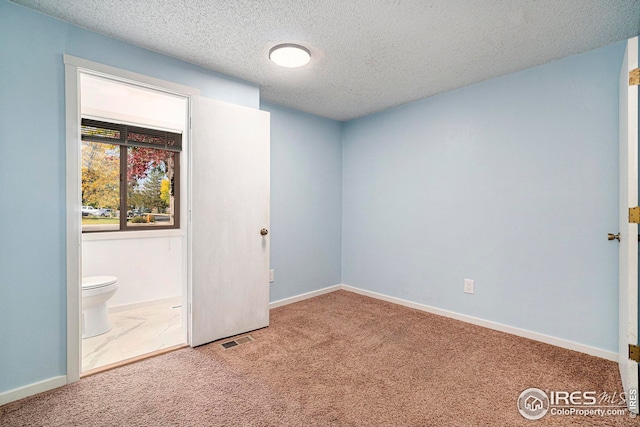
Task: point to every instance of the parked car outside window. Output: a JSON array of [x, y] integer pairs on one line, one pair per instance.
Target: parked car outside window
[[88, 210]]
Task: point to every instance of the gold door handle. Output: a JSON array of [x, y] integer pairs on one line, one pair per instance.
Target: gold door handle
[[614, 236], [264, 232]]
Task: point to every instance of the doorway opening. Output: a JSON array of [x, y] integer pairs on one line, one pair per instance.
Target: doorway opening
[[127, 198], [225, 286], [132, 248]]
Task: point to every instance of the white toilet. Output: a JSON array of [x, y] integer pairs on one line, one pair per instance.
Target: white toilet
[[96, 290]]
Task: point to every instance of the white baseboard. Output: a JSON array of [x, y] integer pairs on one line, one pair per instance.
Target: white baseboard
[[301, 297], [31, 389], [558, 342], [171, 300], [51, 383]]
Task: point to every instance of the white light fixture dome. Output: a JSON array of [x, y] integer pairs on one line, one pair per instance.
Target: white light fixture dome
[[290, 55]]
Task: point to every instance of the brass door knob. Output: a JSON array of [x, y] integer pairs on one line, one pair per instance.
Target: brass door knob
[[264, 232], [614, 236]]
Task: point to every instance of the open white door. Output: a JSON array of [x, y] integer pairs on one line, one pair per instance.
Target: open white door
[[628, 292], [230, 207]]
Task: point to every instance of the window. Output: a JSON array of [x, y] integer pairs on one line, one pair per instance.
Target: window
[[130, 177]]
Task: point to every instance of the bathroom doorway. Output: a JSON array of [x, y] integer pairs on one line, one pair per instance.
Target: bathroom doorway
[[230, 140], [132, 254]]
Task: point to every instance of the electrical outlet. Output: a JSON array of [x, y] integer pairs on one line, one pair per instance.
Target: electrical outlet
[[270, 276], [468, 286]]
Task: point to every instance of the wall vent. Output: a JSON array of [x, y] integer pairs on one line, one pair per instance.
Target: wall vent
[[236, 342]]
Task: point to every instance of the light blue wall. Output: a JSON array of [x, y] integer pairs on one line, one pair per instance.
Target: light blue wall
[[32, 176], [512, 182], [305, 202]]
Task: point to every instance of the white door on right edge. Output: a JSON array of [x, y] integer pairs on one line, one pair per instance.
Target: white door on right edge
[[628, 255]]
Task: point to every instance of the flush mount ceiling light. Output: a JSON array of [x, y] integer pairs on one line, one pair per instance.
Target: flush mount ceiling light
[[290, 55]]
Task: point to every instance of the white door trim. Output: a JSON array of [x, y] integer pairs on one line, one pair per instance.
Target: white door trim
[[74, 233], [137, 79], [73, 67]]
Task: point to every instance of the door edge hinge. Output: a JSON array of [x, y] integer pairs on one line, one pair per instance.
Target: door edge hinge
[[634, 352], [634, 215], [634, 77]]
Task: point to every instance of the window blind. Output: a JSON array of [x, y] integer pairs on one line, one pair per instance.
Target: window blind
[[129, 136]]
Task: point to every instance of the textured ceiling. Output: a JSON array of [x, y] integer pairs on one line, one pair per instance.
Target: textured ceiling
[[368, 55]]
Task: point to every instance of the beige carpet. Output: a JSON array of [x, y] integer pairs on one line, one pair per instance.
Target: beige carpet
[[340, 359]]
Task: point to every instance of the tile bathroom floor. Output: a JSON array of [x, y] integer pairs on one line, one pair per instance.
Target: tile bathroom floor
[[135, 332]]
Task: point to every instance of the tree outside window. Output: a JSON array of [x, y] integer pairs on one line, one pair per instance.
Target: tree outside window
[[145, 196]]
